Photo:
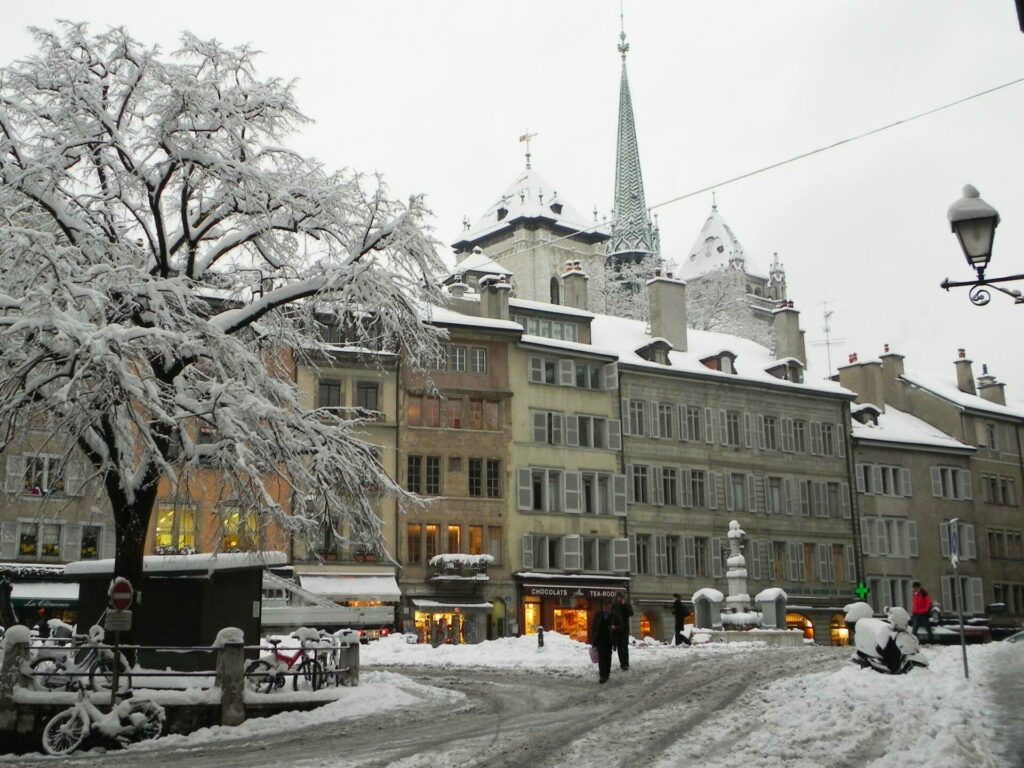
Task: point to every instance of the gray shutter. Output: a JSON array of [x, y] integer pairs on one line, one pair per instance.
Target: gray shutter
[[968, 484], [657, 475], [841, 440], [536, 370], [686, 493], [716, 558], [767, 497], [556, 429], [882, 537], [912, 538], [791, 551], [936, 482], [790, 503], [527, 550], [709, 425], [571, 482], [655, 420], [858, 471], [684, 425], [712, 490], [752, 493], [730, 502], [805, 497], [610, 376], [660, 556], [876, 478], [8, 541], [619, 485], [539, 419], [867, 535], [968, 545], [689, 557], [851, 563], [625, 417], [907, 487], [572, 553], [768, 553], [944, 538], [787, 435], [723, 427], [614, 434], [801, 570], [71, 542], [109, 545], [753, 561], [630, 484], [977, 595], [947, 593], [566, 373], [748, 430], [822, 551], [844, 500], [14, 480], [572, 431], [620, 555], [760, 433], [73, 480], [524, 494]]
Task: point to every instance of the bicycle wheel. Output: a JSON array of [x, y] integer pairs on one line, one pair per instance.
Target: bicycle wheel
[[310, 672], [101, 675], [49, 674], [260, 676], [65, 732], [148, 718]]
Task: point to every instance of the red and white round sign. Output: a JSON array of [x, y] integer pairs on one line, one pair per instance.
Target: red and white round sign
[[121, 594]]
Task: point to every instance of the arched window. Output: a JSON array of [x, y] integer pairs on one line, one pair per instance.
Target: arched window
[[555, 291], [838, 631]]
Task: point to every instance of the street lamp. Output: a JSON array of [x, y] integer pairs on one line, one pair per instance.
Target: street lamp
[[974, 223]]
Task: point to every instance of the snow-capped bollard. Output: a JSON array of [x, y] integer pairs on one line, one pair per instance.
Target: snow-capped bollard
[[540, 637], [12, 672], [231, 675], [348, 657]]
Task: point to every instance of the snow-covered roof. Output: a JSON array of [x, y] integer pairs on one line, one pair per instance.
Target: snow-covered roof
[[342, 587], [625, 336], [202, 562], [480, 262], [714, 247], [540, 306], [568, 346], [895, 426], [528, 197], [1013, 409], [442, 316]]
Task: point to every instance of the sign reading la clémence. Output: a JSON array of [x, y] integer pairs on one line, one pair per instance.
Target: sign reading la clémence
[[120, 594]]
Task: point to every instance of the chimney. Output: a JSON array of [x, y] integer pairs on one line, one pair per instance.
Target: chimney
[[865, 379], [789, 339], [574, 285], [494, 293], [892, 370], [458, 289], [668, 310], [989, 388], [964, 374]]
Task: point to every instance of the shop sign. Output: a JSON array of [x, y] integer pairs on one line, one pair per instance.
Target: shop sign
[[543, 590]]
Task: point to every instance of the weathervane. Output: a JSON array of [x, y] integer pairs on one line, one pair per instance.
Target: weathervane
[[623, 45], [526, 138]]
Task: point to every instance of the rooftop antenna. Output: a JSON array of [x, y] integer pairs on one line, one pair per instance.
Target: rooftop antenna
[[623, 45], [526, 138], [828, 342]]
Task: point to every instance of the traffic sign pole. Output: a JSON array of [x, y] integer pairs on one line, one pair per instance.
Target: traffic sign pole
[[120, 594], [954, 557]]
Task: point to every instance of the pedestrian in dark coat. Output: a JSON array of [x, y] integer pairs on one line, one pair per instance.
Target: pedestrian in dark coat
[[8, 618], [603, 632], [679, 613], [622, 611]]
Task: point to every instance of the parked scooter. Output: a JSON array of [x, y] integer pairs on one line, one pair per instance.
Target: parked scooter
[[884, 645]]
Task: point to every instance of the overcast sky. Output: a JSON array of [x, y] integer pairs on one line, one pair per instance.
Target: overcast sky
[[434, 95]]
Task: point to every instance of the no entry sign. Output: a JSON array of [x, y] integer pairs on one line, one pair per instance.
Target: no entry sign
[[121, 594]]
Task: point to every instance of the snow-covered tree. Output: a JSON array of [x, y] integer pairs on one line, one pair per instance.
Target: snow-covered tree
[[718, 302], [621, 288], [162, 254]]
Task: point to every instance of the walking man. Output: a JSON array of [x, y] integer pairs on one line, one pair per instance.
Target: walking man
[[602, 638], [623, 612], [921, 609]]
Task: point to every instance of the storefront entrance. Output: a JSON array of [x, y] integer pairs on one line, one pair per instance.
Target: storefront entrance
[[572, 622]]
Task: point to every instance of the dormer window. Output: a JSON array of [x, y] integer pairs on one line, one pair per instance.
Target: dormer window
[[655, 352], [724, 361], [865, 414]]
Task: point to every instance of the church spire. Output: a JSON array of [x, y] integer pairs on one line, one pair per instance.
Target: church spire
[[633, 237]]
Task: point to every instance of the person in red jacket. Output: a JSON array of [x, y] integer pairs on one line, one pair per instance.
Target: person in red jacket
[[921, 609]]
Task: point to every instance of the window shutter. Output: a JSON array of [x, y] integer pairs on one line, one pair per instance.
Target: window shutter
[[970, 551], [760, 433], [610, 376], [712, 489], [766, 556], [947, 593], [867, 535], [572, 431], [684, 425], [886, 596], [844, 500], [748, 430], [752, 493], [815, 438], [858, 471], [572, 492], [820, 499], [767, 497], [968, 484], [912, 537], [572, 553], [753, 562], [685, 493], [801, 571], [71, 542], [614, 435], [14, 481], [527, 550], [619, 495], [536, 370], [566, 373], [556, 428], [660, 556], [689, 557], [524, 489], [944, 538], [876, 478], [849, 555], [655, 421], [907, 489], [936, 482], [657, 475], [729, 501], [625, 416], [9, 541], [882, 537], [841, 440], [790, 499], [620, 555], [709, 425], [723, 428], [792, 547], [539, 420], [977, 596], [805, 497], [630, 484], [787, 435], [716, 558], [109, 535], [823, 552], [73, 478]]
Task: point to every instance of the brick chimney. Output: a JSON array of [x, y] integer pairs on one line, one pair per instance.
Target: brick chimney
[[865, 379], [574, 285], [494, 293], [964, 374], [789, 339], [668, 309], [989, 388]]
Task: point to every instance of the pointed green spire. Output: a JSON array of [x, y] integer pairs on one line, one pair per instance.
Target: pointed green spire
[[633, 237]]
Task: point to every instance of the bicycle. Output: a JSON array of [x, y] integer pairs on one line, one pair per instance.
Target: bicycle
[[59, 667], [268, 672], [128, 721]]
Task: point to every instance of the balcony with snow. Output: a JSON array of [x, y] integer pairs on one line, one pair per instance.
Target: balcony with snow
[[459, 571]]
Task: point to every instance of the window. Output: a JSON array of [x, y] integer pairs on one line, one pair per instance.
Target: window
[[966, 539], [700, 553], [588, 376], [414, 474], [593, 432], [693, 423], [991, 439], [432, 540], [175, 529], [637, 417], [423, 411], [698, 480], [43, 475], [477, 484], [493, 479], [454, 539], [800, 436], [665, 420], [731, 428], [775, 495], [951, 483], [433, 484], [832, 499], [241, 531], [478, 360], [457, 359], [770, 433], [545, 490], [596, 489], [494, 542], [476, 540], [828, 442], [641, 484], [547, 427], [476, 477], [90, 542], [669, 495], [737, 490], [414, 543], [552, 329], [367, 393], [972, 590], [328, 394], [672, 556], [451, 413], [643, 554]]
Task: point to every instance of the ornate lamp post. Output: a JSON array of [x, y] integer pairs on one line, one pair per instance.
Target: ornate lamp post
[[974, 222]]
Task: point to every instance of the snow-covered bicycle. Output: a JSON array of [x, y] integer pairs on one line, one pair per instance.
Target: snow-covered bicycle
[[127, 722], [59, 667], [268, 672]]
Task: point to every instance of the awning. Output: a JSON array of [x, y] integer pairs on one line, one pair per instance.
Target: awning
[[339, 588], [45, 594], [434, 605]]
